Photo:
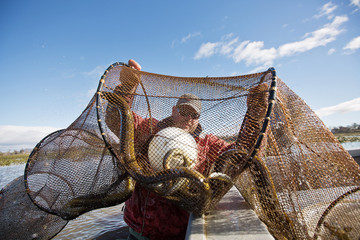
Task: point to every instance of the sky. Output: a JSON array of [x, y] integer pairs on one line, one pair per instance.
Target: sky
[[53, 53]]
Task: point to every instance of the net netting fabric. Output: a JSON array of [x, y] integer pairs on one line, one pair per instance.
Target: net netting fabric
[[253, 132], [21, 219], [72, 171], [312, 184]]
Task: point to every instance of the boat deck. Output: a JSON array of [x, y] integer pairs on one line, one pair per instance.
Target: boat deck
[[231, 219]]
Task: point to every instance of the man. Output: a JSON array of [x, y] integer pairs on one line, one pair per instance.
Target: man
[[149, 215]]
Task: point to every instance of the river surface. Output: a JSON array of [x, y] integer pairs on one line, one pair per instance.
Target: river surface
[[101, 224], [351, 145], [105, 223]]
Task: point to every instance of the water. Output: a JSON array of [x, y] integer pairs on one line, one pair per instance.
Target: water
[[94, 224], [351, 145], [9, 173], [105, 223]]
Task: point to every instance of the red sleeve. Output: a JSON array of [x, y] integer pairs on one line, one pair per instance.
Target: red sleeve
[[144, 128], [209, 148]]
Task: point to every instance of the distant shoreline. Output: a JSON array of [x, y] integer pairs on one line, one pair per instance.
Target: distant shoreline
[[20, 157], [9, 159]]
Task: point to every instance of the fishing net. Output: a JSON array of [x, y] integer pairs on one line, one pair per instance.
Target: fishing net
[[21, 219], [72, 171], [253, 132]]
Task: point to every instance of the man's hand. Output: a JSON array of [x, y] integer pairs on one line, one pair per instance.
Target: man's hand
[[134, 64]]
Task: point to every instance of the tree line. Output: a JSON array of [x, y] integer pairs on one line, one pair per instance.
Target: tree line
[[16, 152], [353, 128]]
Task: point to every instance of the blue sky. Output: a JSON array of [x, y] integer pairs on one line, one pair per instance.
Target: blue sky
[[52, 53]]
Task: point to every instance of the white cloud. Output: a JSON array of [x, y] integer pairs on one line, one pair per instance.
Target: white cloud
[[349, 106], [254, 53], [327, 10], [19, 137], [355, 3], [319, 37], [259, 69], [206, 50], [97, 71], [331, 51], [190, 35], [185, 39], [228, 47], [353, 45]]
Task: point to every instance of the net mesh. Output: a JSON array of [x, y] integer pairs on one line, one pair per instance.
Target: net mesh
[[311, 179], [21, 219], [253, 132]]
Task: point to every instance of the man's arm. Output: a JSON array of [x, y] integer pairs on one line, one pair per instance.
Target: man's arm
[[112, 117]]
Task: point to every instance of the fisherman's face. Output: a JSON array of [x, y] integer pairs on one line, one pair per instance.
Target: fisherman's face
[[185, 117]]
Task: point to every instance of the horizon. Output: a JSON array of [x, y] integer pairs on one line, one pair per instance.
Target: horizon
[[28, 148], [53, 53]]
